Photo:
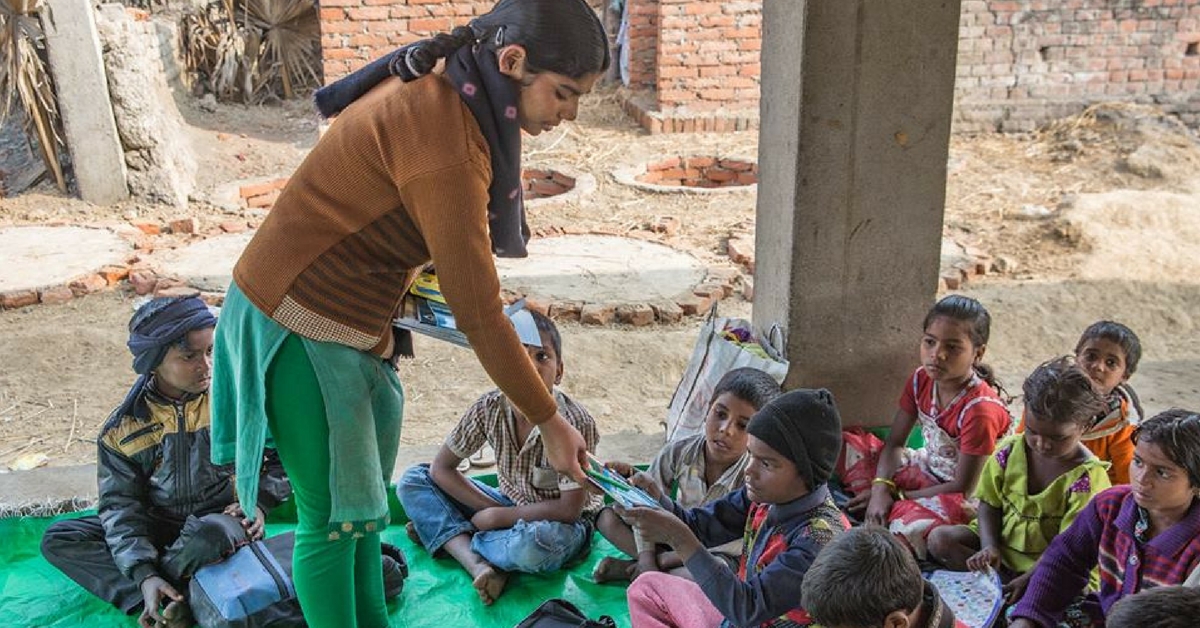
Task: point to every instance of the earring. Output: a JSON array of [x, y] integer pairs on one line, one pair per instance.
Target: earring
[[499, 41]]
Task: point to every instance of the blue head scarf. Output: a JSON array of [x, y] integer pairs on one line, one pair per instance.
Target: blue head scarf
[[156, 326]]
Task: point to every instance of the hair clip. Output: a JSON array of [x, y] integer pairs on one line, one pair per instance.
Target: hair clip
[[499, 40]]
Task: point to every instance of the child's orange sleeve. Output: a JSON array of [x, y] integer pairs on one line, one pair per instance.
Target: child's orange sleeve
[[1116, 448]]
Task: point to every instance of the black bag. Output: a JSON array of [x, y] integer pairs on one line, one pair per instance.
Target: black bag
[[559, 613], [250, 589]]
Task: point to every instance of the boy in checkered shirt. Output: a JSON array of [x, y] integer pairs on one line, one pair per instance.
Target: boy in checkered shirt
[[538, 519]]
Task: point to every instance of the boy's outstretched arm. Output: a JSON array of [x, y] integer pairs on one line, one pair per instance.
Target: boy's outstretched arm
[[565, 509], [445, 474]]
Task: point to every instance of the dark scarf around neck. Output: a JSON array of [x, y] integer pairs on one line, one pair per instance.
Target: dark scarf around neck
[[492, 98]]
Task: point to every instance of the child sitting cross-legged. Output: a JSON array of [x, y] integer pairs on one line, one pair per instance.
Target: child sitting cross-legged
[[953, 397], [693, 471], [1142, 535], [866, 578], [1035, 484], [784, 515], [1109, 353], [538, 519]]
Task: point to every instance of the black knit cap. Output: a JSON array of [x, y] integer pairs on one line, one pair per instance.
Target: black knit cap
[[804, 426]]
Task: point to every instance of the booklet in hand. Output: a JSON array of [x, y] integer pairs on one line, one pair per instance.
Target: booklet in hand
[[617, 487]]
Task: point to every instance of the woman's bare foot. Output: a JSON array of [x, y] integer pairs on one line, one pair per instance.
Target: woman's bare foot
[[489, 584], [611, 569]]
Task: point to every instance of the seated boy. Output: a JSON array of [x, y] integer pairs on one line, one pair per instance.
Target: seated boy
[[1161, 607], [165, 509], [784, 516], [694, 471], [538, 520], [866, 578]]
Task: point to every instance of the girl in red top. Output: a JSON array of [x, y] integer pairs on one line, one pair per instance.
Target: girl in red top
[[953, 397]]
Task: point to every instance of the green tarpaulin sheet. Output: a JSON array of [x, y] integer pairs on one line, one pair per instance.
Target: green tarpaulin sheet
[[438, 592]]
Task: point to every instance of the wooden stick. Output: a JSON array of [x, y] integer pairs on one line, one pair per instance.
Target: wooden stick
[[74, 417]]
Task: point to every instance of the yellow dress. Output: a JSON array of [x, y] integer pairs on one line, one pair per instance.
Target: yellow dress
[[1030, 522]]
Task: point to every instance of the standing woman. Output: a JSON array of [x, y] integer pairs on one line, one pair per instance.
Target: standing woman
[[418, 166]]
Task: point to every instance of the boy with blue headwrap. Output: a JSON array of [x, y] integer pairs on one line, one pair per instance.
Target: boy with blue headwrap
[[165, 509]]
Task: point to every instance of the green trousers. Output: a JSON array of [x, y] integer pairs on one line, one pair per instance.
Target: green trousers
[[339, 582]]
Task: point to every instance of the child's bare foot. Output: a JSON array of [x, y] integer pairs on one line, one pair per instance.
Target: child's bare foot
[[611, 569], [489, 584]]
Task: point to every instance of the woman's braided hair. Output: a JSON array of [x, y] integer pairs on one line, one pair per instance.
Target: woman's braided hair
[[561, 36]]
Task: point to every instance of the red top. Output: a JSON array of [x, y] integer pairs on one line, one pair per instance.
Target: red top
[[976, 418]]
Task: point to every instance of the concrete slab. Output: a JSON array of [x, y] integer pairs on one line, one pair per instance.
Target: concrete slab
[[64, 489], [39, 257], [207, 264], [600, 268]]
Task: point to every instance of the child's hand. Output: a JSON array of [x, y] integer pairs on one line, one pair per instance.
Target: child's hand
[[624, 469], [879, 507], [859, 502], [643, 481], [988, 557], [1016, 588], [657, 525]]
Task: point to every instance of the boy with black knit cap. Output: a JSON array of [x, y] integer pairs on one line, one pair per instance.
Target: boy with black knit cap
[[784, 516]]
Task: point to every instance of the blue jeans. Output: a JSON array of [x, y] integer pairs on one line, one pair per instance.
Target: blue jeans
[[528, 546]]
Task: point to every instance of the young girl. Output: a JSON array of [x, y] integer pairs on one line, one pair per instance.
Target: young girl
[[953, 397], [1109, 352], [1033, 487], [693, 471], [1143, 535]]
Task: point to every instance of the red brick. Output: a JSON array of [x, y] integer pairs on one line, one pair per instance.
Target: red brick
[[234, 226], [147, 227], [667, 312], [431, 25], [566, 310], [368, 14], [114, 274], [143, 281], [263, 200], [88, 284], [57, 294], [721, 175], [693, 305], [596, 314], [185, 225], [736, 165], [638, 314], [17, 298], [333, 14], [256, 189]]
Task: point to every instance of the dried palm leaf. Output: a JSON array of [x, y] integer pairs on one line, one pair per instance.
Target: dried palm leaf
[[24, 79], [290, 44]]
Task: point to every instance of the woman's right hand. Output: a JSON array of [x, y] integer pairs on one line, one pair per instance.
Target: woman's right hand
[[988, 557], [565, 448], [880, 506]]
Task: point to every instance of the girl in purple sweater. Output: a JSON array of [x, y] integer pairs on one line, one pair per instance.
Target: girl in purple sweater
[[1141, 536]]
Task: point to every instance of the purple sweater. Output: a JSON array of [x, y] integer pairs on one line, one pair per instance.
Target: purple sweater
[[1103, 535]]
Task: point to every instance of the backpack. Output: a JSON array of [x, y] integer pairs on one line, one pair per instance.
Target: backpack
[[250, 589], [559, 613]]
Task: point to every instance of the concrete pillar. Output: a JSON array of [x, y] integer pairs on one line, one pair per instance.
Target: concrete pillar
[[856, 104], [77, 66]]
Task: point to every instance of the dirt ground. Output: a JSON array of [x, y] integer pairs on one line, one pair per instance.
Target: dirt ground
[[1094, 217]]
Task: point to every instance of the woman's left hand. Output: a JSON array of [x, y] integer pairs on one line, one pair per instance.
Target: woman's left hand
[[254, 529], [565, 448]]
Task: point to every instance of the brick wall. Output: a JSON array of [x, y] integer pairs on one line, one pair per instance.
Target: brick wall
[[694, 63], [1022, 63], [354, 32]]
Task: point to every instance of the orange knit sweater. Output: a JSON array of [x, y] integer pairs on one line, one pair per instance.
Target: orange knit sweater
[[401, 177]]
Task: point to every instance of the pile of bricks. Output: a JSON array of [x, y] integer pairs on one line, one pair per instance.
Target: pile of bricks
[[719, 283], [262, 195], [541, 183], [700, 172]]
